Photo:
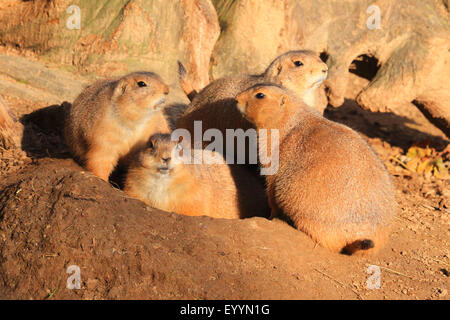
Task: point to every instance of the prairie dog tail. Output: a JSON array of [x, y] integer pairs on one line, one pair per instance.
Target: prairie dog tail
[[184, 82], [351, 248]]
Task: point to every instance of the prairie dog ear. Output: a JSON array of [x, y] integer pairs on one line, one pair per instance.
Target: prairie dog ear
[[274, 69], [284, 98], [151, 142], [121, 87]]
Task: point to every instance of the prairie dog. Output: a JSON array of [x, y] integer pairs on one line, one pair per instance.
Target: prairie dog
[[300, 71], [159, 178], [112, 117], [330, 183]]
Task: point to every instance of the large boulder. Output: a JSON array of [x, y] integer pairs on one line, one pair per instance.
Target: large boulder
[[409, 51], [401, 46], [116, 36]]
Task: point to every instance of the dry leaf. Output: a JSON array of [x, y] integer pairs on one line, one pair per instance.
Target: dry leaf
[[424, 161]]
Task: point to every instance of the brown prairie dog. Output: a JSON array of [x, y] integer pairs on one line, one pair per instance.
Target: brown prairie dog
[[112, 117], [330, 183], [300, 71], [160, 179]]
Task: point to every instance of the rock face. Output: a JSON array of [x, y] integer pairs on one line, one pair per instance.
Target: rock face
[[405, 42], [411, 46], [116, 36], [34, 81]]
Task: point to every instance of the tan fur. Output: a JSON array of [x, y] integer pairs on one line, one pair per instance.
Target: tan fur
[[216, 190], [112, 117], [186, 85], [329, 183], [215, 105]]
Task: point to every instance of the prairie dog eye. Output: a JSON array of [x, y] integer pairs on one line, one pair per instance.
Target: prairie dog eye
[[298, 63], [142, 84], [260, 95]]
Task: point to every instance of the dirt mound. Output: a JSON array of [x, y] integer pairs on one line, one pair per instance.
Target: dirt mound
[[54, 215]]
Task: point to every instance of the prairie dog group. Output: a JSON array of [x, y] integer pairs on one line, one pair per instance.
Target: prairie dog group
[[160, 178], [330, 183], [215, 105], [112, 117]]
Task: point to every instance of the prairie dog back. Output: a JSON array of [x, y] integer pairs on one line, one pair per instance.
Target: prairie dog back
[[330, 183]]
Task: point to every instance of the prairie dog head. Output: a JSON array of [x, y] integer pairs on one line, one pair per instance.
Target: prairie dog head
[[267, 105], [299, 71], [161, 155], [142, 91]]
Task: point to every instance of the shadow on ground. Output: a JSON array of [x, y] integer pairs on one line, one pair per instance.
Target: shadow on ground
[[387, 126], [43, 132]]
